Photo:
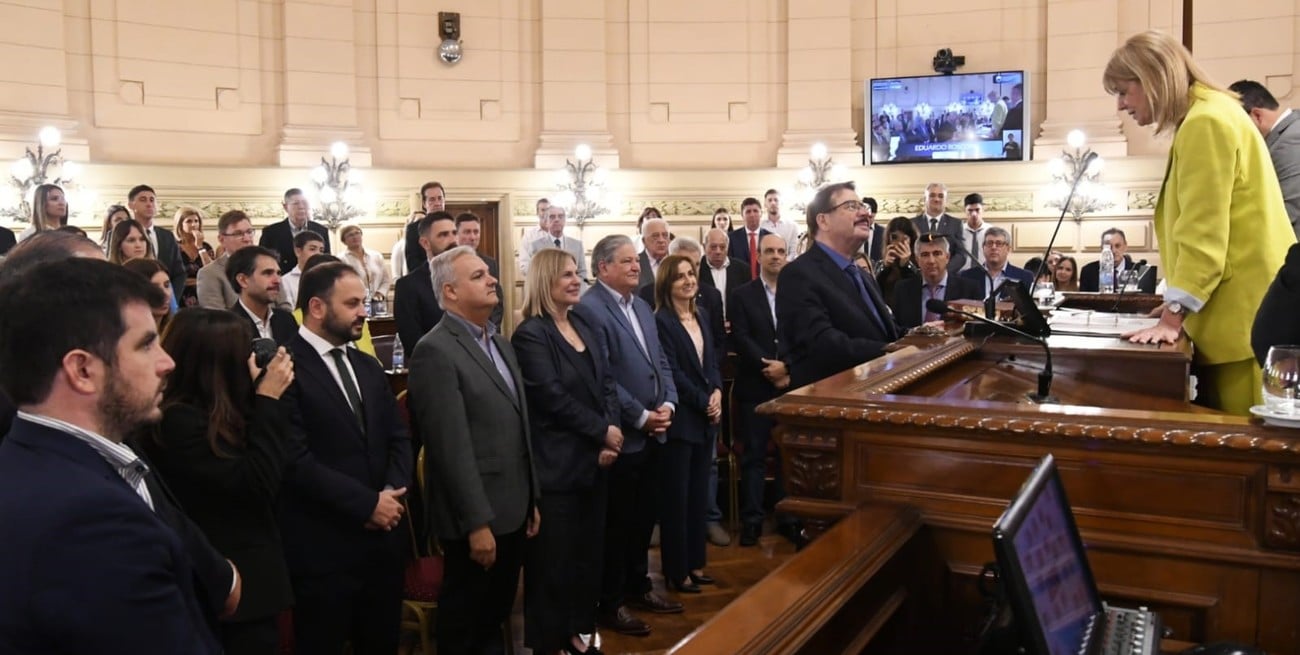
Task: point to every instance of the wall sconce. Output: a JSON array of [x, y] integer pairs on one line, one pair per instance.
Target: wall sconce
[[339, 195], [1077, 189], [819, 172], [582, 186], [36, 168], [450, 50]]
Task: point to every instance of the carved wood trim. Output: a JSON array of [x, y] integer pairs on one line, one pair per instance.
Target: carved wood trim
[[812, 462], [891, 381], [1282, 521]]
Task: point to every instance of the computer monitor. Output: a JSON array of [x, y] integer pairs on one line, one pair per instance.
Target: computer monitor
[[1043, 566]]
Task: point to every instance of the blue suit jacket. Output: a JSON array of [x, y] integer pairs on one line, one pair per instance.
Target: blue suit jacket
[[643, 380], [77, 536]]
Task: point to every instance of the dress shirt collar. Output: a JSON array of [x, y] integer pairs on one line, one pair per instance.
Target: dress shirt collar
[[474, 330], [840, 260], [119, 456], [619, 299], [317, 342], [943, 284], [1280, 118], [263, 324]]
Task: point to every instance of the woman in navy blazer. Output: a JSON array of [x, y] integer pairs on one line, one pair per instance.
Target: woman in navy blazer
[[688, 453], [221, 448], [573, 411]]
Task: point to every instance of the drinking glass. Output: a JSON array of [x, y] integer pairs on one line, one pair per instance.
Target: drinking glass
[[1044, 293], [1282, 380]]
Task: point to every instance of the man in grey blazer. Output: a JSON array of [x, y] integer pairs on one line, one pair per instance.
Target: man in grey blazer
[[554, 238], [647, 399], [467, 397], [1282, 136]]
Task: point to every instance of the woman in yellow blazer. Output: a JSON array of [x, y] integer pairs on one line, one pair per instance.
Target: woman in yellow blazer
[[1220, 219]]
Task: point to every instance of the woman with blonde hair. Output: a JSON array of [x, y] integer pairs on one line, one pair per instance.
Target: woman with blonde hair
[[195, 252], [49, 210], [573, 415], [1220, 220]]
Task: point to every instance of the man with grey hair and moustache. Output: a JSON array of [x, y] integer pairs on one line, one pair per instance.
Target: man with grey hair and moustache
[[719, 270]]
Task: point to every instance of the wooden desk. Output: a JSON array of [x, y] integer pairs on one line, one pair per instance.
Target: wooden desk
[[382, 325], [1127, 303], [1193, 513]]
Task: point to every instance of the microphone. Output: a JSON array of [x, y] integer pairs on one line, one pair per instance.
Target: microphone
[[1065, 207], [1138, 272], [1044, 394]]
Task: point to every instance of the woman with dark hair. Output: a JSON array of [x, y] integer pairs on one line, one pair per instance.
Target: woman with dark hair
[[688, 452], [1066, 274], [128, 242], [154, 271], [722, 219], [221, 448], [195, 252], [573, 414], [112, 216], [897, 263], [49, 210]]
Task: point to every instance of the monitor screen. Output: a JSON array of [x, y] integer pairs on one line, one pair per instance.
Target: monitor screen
[[1043, 565], [970, 117]]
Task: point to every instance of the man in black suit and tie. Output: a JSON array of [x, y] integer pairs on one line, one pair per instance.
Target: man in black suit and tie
[[349, 465], [720, 272], [996, 269], [416, 308], [297, 218], [467, 397], [143, 202], [830, 313], [254, 274], [656, 238], [935, 281], [935, 219], [761, 375], [434, 199], [744, 239], [1118, 242], [469, 232], [91, 378], [874, 248]]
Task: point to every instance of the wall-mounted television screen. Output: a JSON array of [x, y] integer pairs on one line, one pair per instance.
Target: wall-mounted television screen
[[939, 118]]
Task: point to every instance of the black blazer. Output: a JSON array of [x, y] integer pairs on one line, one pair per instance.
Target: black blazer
[[7, 240], [695, 380], [950, 226], [737, 275], [739, 247], [336, 471], [979, 275], [494, 269], [754, 337], [706, 298], [1277, 322], [877, 243], [416, 310], [824, 326], [415, 254], [279, 237], [569, 408], [232, 496], [1091, 273], [169, 255], [8, 412], [284, 326], [910, 311], [647, 275]]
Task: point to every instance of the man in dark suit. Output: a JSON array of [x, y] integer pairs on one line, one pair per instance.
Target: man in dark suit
[[1015, 110], [874, 248], [254, 274], [720, 272], [761, 375], [467, 397], [830, 313], [1118, 242], [7, 241], [935, 219], [88, 374], [416, 308], [744, 239], [349, 465], [143, 202], [656, 238], [648, 398], [469, 232], [434, 199], [996, 269], [1281, 135], [935, 281], [297, 218]]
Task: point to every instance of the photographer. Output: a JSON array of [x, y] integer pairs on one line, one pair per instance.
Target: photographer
[[221, 449], [897, 263]]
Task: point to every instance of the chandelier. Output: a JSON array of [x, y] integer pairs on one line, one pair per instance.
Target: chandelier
[[339, 195], [44, 166], [1077, 187], [819, 172], [582, 187]]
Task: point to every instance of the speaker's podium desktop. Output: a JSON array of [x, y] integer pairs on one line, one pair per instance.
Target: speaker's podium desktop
[[903, 464]]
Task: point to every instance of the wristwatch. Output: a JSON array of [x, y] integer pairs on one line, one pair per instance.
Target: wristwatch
[[1176, 308]]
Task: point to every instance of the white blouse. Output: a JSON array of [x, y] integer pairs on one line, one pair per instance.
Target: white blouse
[[374, 274]]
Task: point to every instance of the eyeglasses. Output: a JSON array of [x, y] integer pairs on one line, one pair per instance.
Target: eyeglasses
[[240, 234], [851, 205], [996, 244]]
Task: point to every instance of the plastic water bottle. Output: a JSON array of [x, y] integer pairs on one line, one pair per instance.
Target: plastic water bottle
[[399, 356], [1106, 270]]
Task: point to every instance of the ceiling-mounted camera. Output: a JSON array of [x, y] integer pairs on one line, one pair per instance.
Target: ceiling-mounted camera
[[945, 62]]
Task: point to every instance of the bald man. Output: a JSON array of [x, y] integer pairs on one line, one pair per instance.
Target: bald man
[[719, 270]]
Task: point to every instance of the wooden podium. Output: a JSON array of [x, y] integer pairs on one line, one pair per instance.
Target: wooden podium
[[1190, 512]]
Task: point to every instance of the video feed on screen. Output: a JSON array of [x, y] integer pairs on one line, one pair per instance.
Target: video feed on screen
[[973, 117]]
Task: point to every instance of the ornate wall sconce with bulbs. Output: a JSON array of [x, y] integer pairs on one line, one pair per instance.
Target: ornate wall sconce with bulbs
[[820, 171], [1077, 189], [582, 187], [44, 166], [339, 195]]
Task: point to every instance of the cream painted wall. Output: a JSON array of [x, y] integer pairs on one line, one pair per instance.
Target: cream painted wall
[[693, 104]]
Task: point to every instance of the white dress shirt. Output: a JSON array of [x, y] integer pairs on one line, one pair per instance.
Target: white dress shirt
[[289, 287], [263, 325], [371, 269], [720, 282], [323, 348]]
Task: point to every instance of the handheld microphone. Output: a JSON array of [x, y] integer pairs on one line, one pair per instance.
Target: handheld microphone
[[1065, 207], [1044, 394], [1139, 270]]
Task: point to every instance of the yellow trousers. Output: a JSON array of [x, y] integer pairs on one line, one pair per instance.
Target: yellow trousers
[[1232, 387]]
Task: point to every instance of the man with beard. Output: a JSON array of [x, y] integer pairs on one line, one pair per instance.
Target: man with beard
[[349, 466], [86, 524], [255, 273], [416, 308]]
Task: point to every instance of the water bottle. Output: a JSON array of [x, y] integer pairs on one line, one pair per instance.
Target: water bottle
[[399, 356], [1106, 270]]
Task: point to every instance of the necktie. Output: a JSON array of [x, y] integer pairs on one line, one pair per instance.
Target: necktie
[[932, 292], [349, 387], [753, 255], [153, 239], [855, 274], [557, 243], [974, 248], [934, 225]]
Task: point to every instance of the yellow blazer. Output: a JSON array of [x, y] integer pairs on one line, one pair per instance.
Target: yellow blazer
[[1221, 223]]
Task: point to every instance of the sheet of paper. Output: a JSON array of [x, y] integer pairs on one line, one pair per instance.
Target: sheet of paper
[[1101, 324]]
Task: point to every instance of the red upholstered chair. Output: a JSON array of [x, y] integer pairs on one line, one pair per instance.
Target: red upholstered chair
[[422, 579]]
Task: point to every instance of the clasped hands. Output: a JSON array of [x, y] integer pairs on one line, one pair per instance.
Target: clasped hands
[[776, 372], [388, 511], [611, 448]]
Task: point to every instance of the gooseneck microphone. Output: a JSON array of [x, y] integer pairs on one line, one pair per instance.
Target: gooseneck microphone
[[1065, 207], [1139, 271], [1044, 394]]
